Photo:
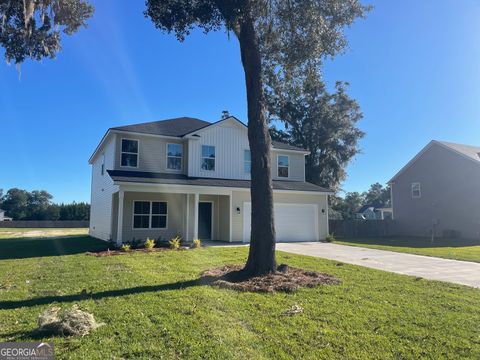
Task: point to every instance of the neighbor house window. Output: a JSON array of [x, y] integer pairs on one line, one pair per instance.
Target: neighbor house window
[[282, 166], [247, 162], [208, 157], [416, 191], [174, 156], [149, 215], [129, 153]]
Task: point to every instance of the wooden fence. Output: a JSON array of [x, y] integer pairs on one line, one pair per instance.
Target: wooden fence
[[44, 224], [362, 228]]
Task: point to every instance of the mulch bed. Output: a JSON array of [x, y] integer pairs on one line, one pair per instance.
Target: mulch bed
[[132, 251], [285, 279]]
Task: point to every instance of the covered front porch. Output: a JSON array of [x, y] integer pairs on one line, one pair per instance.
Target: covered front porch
[[162, 212]]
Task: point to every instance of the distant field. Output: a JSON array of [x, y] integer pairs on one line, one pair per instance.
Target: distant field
[[9, 233], [444, 248]]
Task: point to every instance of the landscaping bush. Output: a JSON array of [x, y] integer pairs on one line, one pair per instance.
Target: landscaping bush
[[197, 243], [149, 244], [126, 248], [330, 238], [175, 243]]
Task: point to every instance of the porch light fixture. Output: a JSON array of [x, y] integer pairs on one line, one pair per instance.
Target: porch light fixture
[[238, 210]]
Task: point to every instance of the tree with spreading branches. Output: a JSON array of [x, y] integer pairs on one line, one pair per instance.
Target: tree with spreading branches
[[31, 29], [275, 37]]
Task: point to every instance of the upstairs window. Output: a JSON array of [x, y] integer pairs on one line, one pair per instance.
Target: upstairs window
[[247, 162], [129, 157], [149, 215], [208, 157], [416, 190], [174, 156], [282, 166]]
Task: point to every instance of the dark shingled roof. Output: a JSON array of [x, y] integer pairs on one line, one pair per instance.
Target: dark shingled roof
[[178, 179], [170, 127], [182, 126]]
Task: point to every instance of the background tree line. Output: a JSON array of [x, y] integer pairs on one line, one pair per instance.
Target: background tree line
[[21, 204], [378, 196]]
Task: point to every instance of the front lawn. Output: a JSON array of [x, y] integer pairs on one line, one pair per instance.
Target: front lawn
[[444, 248], [153, 307]]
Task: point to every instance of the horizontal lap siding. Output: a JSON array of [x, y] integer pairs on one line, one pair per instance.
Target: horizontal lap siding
[[102, 191], [175, 223], [152, 153]]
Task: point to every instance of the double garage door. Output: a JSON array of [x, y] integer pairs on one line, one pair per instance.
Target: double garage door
[[293, 222]]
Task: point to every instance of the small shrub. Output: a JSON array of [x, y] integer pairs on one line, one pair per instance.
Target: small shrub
[[197, 243], [149, 244], [330, 238], [175, 243], [126, 248]]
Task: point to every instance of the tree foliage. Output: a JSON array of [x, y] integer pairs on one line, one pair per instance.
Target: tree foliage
[[32, 28], [377, 196], [37, 205], [322, 122], [275, 37]]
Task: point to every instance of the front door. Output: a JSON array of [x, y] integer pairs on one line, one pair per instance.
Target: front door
[[205, 220]]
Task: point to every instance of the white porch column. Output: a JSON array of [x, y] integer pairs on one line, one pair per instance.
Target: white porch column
[[121, 195], [195, 216]]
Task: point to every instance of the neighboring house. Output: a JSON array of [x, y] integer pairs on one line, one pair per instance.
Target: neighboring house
[[3, 217], [368, 212], [438, 192], [191, 178]]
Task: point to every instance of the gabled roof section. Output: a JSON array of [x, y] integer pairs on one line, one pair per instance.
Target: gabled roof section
[[182, 127], [466, 151], [472, 152], [171, 127]]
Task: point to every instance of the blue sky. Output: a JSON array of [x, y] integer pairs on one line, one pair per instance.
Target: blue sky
[[414, 67]]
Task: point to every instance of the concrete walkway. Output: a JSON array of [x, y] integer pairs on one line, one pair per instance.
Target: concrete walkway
[[454, 271]]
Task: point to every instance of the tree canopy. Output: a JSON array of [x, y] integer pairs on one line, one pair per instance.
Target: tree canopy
[[322, 122], [32, 28]]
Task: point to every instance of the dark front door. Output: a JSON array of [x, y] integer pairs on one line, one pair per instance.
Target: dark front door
[[205, 220]]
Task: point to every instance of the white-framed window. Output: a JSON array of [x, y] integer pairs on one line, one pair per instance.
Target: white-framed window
[[282, 166], [208, 157], [174, 156], [416, 190], [102, 168], [247, 161], [129, 153], [150, 214]]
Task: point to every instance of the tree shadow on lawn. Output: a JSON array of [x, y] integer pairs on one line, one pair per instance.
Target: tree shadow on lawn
[[413, 242], [14, 304], [22, 248]]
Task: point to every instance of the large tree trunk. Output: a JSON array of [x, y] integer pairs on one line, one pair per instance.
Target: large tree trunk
[[261, 257]]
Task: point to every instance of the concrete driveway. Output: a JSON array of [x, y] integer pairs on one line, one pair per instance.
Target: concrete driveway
[[454, 271]]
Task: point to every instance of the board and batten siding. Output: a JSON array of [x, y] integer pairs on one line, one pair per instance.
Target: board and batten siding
[[231, 141], [102, 191], [152, 153], [241, 197]]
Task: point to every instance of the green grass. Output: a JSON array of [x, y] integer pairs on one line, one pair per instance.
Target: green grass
[[153, 307], [444, 248], [9, 233]]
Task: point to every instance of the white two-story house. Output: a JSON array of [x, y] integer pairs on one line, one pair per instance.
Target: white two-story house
[[191, 178]]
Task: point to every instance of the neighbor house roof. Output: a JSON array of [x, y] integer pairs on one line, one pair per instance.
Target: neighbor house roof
[[467, 151], [179, 179]]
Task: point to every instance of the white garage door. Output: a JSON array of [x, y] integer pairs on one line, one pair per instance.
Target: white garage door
[[293, 222]]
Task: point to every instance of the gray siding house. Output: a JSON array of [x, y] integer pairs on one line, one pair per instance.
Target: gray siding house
[[438, 192]]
